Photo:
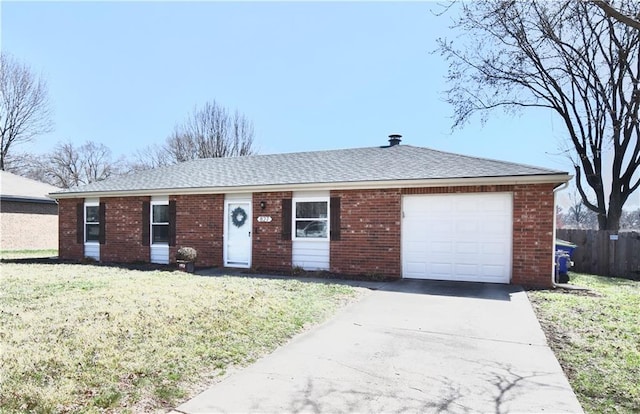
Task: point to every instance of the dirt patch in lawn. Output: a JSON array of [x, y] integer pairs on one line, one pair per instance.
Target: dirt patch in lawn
[[595, 335]]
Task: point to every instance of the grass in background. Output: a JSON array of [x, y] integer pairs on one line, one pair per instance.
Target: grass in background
[[27, 254], [596, 337], [80, 338]]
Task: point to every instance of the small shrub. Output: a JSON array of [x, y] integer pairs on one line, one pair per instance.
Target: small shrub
[[188, 254]]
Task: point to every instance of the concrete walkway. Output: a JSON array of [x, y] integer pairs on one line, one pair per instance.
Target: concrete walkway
[[410, 346]]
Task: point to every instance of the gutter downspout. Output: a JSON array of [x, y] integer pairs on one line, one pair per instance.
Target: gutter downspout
[[555, 207]]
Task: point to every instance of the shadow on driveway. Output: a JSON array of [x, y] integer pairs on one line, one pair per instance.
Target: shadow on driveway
[[407, 346], [490, 291]]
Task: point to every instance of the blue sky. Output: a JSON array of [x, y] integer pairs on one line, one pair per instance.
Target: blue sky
[[311, 76]]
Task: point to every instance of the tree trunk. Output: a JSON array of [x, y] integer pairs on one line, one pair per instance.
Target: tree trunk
[[612, 219]]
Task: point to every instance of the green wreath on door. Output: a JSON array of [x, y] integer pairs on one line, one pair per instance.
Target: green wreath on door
[[238, 217]]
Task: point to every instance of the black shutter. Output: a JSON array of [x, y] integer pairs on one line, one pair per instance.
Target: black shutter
[[80, 223], [146, 211], [286, 219], [101, 217], [334, 212], [172, 223]]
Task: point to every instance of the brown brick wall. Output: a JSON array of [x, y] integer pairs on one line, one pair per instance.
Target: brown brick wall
[[533, 235], [369, 233], [28, 226], [68, 248], [123, 229], [370, 230], [270, 252], [199, 224]]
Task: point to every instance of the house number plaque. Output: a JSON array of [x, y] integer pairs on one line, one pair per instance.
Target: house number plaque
[[264, 219]]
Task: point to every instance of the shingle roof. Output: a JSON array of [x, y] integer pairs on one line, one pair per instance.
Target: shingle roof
[[17, 188], [400, 162]]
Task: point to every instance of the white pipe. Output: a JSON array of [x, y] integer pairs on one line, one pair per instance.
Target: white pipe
[[555, 207]]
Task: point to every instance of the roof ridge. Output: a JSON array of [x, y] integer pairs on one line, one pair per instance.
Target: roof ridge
[[285, 153]]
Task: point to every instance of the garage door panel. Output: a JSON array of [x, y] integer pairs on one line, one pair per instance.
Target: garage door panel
[[497, 271], [415, 268], [466, 269], [440, 269], [458, 237], [468, 225], [439, 248], [494, 248], [467, 247], [468, 208]]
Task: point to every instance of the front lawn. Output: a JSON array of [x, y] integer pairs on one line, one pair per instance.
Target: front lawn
[[79, 338], [596, 337], [27, 254]]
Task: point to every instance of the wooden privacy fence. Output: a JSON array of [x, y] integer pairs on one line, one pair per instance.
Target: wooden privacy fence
[[605, 253]]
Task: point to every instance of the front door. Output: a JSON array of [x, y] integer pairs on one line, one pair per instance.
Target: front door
[[237, 251]]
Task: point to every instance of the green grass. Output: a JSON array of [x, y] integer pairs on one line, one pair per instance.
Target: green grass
[[596, 337], [27, 254], [78, 338]]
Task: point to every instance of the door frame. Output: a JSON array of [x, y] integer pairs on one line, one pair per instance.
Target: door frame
[[234, 199]]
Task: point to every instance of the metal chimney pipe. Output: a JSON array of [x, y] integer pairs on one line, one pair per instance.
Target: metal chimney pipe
[[394, 139]]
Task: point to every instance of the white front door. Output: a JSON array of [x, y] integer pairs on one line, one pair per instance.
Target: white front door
[[237, 240]]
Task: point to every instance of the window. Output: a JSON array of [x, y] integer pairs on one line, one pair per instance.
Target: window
[[92, 223], [311, 219], [160, 223]]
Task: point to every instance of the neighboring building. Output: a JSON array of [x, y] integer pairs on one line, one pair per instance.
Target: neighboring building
[[28, 218], [397, 210]]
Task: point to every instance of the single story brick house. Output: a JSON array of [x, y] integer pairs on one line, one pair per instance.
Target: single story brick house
[[28, 218], [395, 210]]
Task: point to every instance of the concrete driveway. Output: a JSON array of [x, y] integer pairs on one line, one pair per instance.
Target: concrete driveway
[[410, 346]]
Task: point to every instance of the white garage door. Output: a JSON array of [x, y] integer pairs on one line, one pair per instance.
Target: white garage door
[[464, 237]]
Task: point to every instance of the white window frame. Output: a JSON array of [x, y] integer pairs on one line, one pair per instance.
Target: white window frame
[[86, 233], [160, 223], [294, 219]]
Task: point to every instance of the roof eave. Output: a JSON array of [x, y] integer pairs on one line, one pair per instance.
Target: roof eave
[[25, 199], [359, 185]]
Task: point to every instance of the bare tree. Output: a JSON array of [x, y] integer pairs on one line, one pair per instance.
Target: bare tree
[[208, 132], [577, 216], [630, 220], [152, 156], [607, 7], [69, 165], [580, 217], [569, 57], [24, 106]]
